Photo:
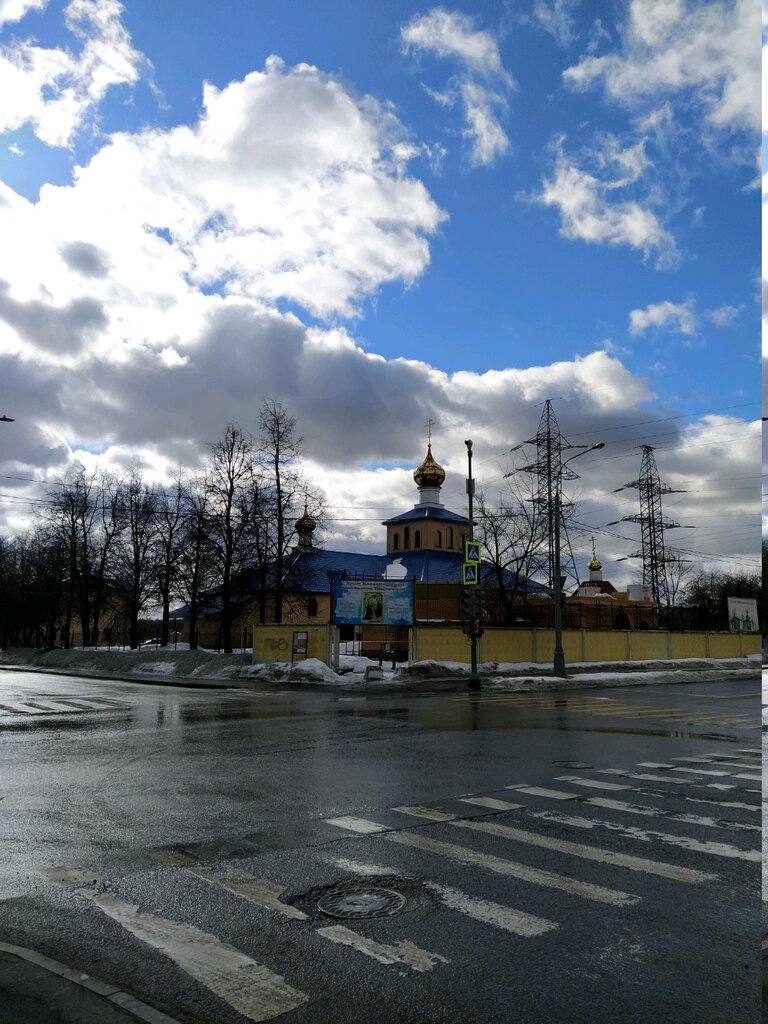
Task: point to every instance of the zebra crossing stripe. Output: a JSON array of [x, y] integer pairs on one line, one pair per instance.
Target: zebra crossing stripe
[[643, 776], [595, 784], [403, 952], [632, 832], [260, 891], [490, 802], [551, 794], [356, 824], [659, 812], [507, 918], [701, 771], [419, 811], [596, 853], [252, 989], [511, 920], [501, 866]]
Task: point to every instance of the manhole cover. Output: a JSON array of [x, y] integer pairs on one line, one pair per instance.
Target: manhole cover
[[354, 903], [573, 764]]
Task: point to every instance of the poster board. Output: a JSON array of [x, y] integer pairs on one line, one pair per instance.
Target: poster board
[[373, 602]]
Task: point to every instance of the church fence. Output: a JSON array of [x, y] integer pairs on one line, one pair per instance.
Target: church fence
[[520, 645]]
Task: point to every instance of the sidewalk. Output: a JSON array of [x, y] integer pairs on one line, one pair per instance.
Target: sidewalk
[[37, 990]]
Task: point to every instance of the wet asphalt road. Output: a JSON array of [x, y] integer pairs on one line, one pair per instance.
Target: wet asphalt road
[[138, 818]]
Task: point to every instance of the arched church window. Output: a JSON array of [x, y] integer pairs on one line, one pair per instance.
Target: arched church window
[[438, 539], [450, 538], [417, 538], [395, 541], [312, 607], [406, 537]]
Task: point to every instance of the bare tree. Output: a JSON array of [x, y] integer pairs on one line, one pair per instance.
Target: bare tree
[[513, 534], [280, 450], [195, 566], [230, 471], [135, 550], [171, 507]]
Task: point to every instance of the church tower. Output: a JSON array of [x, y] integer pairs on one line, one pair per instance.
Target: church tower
[[429, 526]]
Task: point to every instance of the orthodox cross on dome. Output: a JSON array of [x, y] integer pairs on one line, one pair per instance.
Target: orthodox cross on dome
[[429, 424]]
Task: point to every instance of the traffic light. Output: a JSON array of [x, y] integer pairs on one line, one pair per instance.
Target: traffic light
[[465, 610]]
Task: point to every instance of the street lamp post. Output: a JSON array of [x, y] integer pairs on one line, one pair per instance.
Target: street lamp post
[[474, 678], [559, 655]]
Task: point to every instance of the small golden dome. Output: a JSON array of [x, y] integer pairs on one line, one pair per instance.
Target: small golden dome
[[595, 564], [306, 523], [429, 473]]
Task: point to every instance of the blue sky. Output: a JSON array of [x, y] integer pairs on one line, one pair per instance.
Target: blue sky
[[378, 213]]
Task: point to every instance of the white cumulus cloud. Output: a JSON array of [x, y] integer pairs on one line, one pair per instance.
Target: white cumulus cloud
[[675, 316], [482, 83], [54, 89], [710, 51], [590, 210]]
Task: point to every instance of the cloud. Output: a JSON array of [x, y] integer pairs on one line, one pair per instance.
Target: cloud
[[556, 17], [55, 90], [589, 212], [57, 329], [482, 84], [707, 51], [15, 10], [678, 316], [724, 315], [287, 189]]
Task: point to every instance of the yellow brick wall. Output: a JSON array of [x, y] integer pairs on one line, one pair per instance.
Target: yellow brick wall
[[275, 642], [647, 646], [527, 645], [609, 646], [507, 645]]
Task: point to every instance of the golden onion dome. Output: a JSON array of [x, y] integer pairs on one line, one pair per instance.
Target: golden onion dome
[[595, 564], [429, 473], [305, 522]]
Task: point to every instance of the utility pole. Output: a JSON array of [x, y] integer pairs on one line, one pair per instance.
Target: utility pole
[[558, 662], [474, 678], [652, 527]]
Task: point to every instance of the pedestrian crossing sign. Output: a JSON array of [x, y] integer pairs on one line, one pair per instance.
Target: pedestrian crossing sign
[[471, 551], [470, 574]]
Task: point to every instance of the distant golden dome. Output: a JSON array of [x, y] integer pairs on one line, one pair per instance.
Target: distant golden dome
[[429, 473], [595, 565], [306, 523]]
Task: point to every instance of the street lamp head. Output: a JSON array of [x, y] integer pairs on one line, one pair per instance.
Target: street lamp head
[[600, 444], [468, 444]]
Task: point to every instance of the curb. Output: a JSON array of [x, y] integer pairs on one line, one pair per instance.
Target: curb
[[124, 1000]]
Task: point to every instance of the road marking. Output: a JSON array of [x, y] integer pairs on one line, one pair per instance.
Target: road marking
[[552, 794], [701, 771], [752, 778], [643, 776], [659, 812], [577, 781], [653, 764], [632, 832], [596, 853], [252, 989], [356, 824], [592, 783], [508, 867], [419, 811], [260, 891], [511, 920], [367, 870], [491, 802], [403, 952]]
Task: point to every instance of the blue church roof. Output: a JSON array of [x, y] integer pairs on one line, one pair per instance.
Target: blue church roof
[[427, 512], [311, 570]]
